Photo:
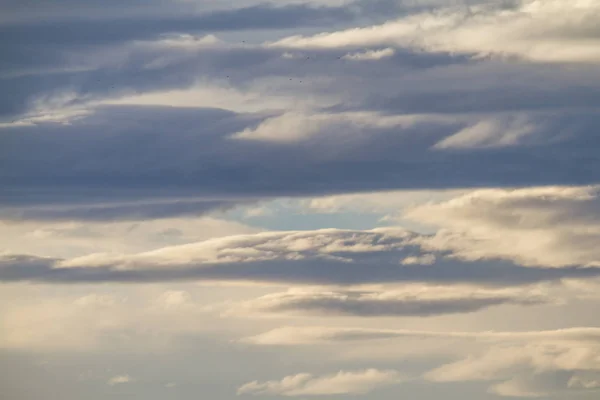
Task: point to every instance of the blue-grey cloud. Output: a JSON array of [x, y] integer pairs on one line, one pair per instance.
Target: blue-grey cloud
[[111, 30], [189, 154], [516, 124]]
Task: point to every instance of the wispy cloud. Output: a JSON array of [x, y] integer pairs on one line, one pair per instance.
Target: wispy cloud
[[344, 382]]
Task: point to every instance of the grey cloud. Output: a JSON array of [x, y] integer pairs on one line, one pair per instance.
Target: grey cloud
[[421, 302], [118, 211], [187, 154], [262, 16], [488, 86], [45, 48], [93, 73], [293, 335], [509, 98], [162, 152]]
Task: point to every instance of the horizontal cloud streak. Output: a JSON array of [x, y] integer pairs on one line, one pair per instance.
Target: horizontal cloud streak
[[534, 30], [322, 257], [323, 335], [344, 382], [420, 301]]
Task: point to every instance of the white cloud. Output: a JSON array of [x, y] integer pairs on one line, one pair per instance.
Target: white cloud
[[551, 226], [516, 387], [119, 380], [78, 238], [316, 335], [490, 133], [425, 259], [375, 202], [175, 299], [260, 247], [223, 95], [293, 127], [130, 320], [528, 363], [570, 367], [370, 55], [344, 382], [308, 335], [538, 30], [320, 257]]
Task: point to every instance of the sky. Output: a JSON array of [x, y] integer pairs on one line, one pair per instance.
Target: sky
[[299, 199]]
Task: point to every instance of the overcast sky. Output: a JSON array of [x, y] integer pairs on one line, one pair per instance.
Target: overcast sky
[[311, 199]]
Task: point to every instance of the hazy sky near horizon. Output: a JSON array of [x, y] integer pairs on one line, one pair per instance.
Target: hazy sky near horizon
[[311, 199]]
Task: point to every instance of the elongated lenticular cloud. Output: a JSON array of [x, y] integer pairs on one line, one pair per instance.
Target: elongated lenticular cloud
[[312, 335], [407, 301], [321, 257]]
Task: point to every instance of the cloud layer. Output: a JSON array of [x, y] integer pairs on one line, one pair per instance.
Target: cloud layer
[[174, 174], [322, 257], [399, 105], [524, 364]]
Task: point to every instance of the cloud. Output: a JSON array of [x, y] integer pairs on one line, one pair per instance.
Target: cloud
[[119, 380], [535, 30], [97, 31], [321, 257], [415, 300], [117, 211], [145, 169], [317, 335], [344, 382], [311, 335], [387, 206], [425, 259], [129, 130], [493, 133], [368, 126], [553, 226], [370, 55], [94, 319], [516, 364], [78, 238], [550, 368], [295, 127]]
